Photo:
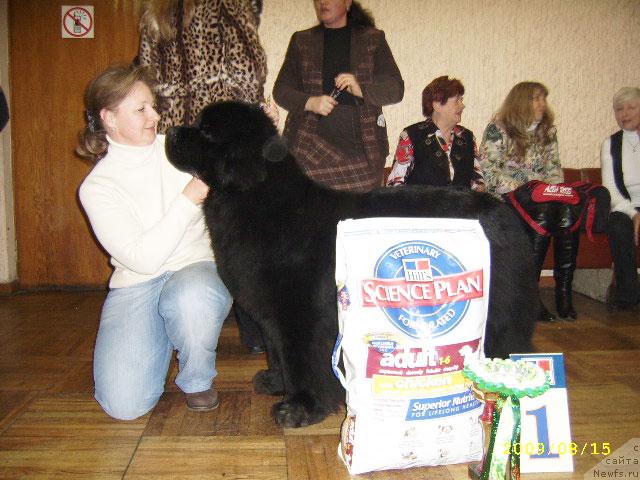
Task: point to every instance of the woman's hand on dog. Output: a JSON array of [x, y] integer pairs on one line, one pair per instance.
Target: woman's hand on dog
[[196, 191], [322, 105]]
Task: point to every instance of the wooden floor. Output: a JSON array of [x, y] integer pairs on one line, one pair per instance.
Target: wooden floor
[[51, 427]]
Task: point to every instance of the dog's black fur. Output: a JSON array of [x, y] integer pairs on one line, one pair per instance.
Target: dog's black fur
[[274, 234]]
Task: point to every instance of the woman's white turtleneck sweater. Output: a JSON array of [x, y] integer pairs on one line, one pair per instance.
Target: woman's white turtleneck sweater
[[133, 198]]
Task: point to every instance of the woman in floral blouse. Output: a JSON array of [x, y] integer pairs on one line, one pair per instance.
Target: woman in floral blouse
[[520, 145], [438, 151]]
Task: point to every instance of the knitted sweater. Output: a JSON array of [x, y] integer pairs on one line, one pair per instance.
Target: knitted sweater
[[133, 198]]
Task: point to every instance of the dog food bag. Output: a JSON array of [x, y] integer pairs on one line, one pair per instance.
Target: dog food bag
[[412, 302]]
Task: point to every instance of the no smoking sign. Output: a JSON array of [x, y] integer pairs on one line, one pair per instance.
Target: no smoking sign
[[77, 21]]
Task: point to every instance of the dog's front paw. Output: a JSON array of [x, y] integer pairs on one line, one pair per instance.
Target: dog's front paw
[[268, 382], [298, 410]]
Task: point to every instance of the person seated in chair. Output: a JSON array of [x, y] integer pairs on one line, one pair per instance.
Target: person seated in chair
[[620, 163], [438, 151], [520, 145]]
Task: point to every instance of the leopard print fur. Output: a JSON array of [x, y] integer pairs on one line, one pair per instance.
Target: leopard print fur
[[217, 57]]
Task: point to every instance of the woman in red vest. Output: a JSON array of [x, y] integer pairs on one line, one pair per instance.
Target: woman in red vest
[[438, 151]]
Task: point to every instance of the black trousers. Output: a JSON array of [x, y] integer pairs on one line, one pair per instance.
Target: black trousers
[[623, 252]]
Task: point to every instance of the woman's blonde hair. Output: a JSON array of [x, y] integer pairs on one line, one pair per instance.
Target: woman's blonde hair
[[160, 18], [107, 90], [516, 115]]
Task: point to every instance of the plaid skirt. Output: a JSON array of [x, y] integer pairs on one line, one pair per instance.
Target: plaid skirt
[[332, 153]]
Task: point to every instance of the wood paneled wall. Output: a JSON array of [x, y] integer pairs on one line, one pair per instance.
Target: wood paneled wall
[[48, 78]]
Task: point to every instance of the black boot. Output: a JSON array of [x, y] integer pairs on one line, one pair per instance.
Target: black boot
[[540, 243], [565, 253]]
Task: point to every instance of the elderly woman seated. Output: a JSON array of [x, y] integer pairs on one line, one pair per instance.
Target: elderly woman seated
[[438, 151], [620, 158]]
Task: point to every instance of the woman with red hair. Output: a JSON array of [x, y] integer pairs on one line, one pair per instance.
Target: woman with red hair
[[438, 151]]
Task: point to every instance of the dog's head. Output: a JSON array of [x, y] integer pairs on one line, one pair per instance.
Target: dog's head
[[229, 146]]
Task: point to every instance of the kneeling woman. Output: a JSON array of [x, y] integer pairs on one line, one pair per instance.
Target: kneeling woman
[[165, 293]]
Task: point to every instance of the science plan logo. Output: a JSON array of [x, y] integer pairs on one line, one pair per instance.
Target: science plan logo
[[423, 289]]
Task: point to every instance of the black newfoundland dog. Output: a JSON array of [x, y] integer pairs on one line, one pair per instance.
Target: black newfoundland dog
[[274, 237]]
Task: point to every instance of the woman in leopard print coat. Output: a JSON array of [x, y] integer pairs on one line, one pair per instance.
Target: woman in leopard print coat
[[203, 51]]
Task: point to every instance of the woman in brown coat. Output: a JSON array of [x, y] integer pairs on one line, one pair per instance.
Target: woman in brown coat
[[335, 79]]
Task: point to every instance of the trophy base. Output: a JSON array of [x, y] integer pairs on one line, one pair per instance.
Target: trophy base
[[475, 470]]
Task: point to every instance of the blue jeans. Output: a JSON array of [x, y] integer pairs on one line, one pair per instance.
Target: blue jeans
[[141, 325]]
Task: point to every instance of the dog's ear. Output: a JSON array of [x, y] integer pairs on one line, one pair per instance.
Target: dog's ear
[[275, 149]]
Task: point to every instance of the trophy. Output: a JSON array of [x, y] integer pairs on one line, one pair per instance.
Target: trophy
[[499, 385]]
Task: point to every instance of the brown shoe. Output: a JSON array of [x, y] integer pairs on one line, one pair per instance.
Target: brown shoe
[[203, 401]]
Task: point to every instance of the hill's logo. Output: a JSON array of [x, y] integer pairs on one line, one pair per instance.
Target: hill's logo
[[423, 289]]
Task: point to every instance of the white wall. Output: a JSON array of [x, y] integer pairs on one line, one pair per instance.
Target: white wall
[[583, 50], [7, 230]]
